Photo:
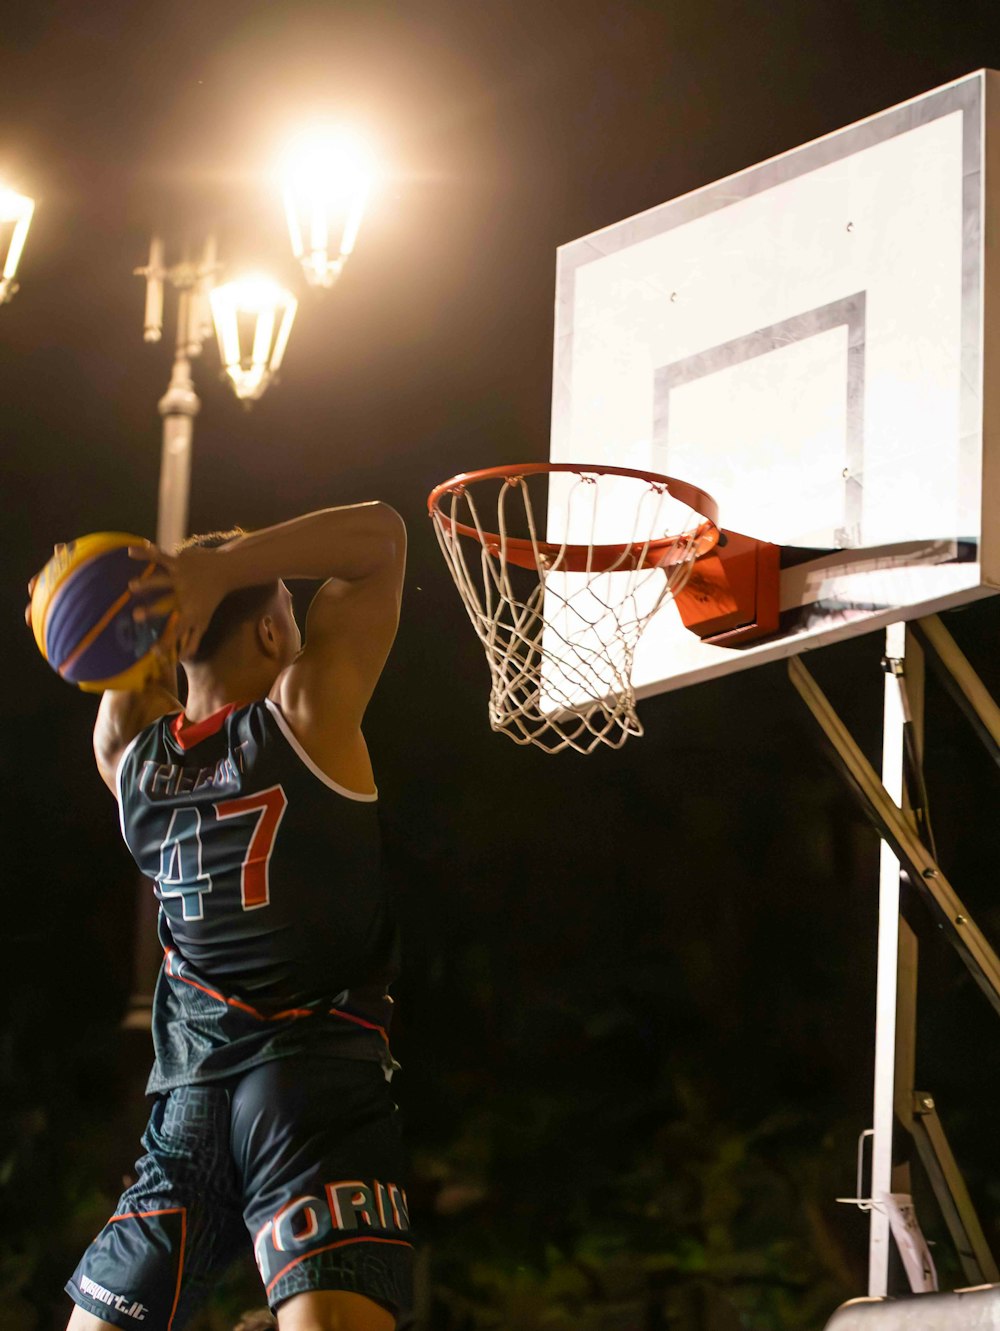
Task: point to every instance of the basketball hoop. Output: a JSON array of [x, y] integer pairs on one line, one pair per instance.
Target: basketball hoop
[[559, 618]]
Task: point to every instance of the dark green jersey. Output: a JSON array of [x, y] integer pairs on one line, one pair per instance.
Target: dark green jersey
[[276, 931]]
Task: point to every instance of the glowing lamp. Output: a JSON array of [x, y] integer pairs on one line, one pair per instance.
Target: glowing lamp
[[326, 178], [253, 318], [15, 218]]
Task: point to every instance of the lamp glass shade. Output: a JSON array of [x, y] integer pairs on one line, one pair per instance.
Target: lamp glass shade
[[326, 178], [253, 318], [16, 211]]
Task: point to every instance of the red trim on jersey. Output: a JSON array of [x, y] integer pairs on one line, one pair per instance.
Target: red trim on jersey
[[141, 1215], [170, 953], [359, 1021], [167, 1210], [189, 733], [398, 1243]]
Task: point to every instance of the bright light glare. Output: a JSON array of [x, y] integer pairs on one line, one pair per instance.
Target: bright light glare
[[14, 206], [327, 175], [252, 361], [15, 209], [330, 163], [254, 293]]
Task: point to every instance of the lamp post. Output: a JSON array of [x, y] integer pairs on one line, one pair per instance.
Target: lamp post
[[197, 298], [250, 364], [16, 211], [327, 181], [178, 408], [180, 403]]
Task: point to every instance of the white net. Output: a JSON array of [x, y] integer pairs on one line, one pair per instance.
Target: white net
[[559, 616]]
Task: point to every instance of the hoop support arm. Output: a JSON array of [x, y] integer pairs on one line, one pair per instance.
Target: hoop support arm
[[949, 1188], [961, 681], [922, 869]]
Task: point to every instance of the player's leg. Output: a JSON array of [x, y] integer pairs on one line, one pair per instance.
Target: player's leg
[[81, 1320], [316, 1143], [174, 1230], [333, 1310]]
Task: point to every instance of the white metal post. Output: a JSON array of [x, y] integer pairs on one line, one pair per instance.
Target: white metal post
[[886, 979], [178, 407]]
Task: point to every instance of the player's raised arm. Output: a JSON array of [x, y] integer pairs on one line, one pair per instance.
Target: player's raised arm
[[359, 550], [352, 619], [122, 715]]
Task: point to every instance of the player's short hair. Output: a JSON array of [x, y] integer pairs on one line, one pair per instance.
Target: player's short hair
[[244, 604]]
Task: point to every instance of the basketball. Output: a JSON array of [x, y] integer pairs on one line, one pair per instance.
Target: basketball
[[82, 614]]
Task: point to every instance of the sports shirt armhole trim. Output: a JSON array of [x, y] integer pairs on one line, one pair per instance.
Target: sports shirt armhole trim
[[289, 735], [119, 771]]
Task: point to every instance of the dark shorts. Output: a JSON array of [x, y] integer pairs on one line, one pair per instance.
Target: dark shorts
[[301, 1157]]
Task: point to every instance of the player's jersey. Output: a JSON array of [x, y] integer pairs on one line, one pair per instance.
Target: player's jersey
[[276, 931]]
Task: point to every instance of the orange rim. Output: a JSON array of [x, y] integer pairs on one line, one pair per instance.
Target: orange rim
[[519, 550]]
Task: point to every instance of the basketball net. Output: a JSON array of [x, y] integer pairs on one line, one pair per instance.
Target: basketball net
[[559, 619]]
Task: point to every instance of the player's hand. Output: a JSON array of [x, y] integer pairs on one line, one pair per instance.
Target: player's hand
[[32, 583], [192, 583]]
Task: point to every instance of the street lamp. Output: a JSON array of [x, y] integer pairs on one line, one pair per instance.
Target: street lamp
[[15, 212], [326, 176], [193, 281], [253, 319], [254, 304], [197, 301], [327, 183]]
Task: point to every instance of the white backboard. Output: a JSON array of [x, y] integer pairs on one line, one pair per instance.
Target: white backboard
[[808, 341]]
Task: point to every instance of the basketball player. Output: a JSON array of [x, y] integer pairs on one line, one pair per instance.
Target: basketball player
[[254, 810]]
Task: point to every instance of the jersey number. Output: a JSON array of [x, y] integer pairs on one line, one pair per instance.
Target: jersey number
[[269, 806], [181, 872]]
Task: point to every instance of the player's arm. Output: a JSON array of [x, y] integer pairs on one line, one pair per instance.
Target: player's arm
[[349, 630], [122, 715], [358, 550]]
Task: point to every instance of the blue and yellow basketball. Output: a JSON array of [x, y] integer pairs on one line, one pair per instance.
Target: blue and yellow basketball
[[82, 613]]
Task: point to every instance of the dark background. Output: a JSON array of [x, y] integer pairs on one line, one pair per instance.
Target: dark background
[[636, 1016]]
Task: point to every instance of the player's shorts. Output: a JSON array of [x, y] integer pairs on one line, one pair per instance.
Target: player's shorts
[[300, 1157]]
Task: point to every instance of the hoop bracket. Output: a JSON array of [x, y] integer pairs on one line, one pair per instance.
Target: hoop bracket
[[731, 597]]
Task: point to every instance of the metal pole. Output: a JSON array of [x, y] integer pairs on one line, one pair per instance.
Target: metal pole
[[897, 827], [961, 681], [923, 871], [908, 676], [178, 407], [886, 979]]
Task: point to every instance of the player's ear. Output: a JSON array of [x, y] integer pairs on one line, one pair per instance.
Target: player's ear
[[267, 636]]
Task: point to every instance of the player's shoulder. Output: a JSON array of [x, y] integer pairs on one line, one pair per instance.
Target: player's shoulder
[[326, 741], [151, 736]]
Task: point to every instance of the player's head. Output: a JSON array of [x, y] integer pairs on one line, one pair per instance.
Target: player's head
[[255, 622]]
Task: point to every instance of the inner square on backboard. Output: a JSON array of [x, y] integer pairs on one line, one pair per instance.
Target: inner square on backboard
[[797, 389], [803, 341]]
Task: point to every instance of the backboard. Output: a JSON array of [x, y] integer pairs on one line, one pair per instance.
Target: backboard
[[813, 342]]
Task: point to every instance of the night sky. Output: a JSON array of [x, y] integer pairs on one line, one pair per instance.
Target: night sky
[[715, 870]]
